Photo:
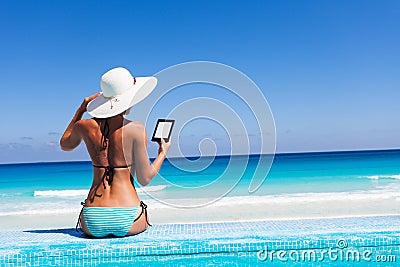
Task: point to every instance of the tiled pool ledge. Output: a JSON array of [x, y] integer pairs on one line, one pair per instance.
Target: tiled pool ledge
[[238, 243]]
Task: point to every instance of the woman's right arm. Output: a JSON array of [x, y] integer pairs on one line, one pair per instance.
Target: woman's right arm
[[71, 137], [144, 171]]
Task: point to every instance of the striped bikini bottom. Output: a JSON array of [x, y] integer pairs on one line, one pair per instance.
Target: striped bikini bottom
[[117, 221]]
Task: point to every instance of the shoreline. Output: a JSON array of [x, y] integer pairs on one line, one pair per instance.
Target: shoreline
[[230, 210]]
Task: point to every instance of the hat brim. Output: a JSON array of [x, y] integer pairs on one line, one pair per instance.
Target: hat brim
[[104, 107]]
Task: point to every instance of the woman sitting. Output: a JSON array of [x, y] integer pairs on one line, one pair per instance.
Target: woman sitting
[[118, 150]]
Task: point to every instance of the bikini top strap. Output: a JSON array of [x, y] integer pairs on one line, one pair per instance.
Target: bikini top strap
[[109, 172], [113, 167], [105, 134]]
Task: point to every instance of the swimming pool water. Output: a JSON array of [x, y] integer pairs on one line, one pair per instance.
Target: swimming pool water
[[215, 244]]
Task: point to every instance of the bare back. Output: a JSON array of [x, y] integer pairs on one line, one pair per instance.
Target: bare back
[[109, 151]]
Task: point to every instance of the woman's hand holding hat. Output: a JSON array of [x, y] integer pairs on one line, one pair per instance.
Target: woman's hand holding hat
[[86, 101]]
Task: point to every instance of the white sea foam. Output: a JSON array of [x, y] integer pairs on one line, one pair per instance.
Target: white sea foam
[[40, 212], [84, 192], [60, 193], [40, 208], [383, 176], [151, 188], [12, 194], [225, 205], [297, 198]]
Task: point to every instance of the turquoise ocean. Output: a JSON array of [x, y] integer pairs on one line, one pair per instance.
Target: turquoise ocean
[[369, 177]]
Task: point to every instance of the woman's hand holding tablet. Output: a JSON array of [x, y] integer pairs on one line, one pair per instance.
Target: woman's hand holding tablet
[[163, 130]]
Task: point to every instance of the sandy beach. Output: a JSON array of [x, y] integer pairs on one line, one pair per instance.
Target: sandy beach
[[223, 210]]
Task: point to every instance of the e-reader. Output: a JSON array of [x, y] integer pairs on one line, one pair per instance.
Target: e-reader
[[163, 130]]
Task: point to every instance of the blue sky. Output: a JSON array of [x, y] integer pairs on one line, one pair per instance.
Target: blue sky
[[329, 69]]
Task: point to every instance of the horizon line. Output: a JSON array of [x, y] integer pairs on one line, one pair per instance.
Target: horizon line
[[223, 155]]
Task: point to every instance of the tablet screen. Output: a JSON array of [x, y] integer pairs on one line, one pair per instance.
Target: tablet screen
[[163, 130]]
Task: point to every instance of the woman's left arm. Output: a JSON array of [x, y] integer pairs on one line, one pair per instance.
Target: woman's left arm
[[72, 137]]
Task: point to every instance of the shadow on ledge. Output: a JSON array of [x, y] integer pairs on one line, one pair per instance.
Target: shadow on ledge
[[66, 231], [71, 232]]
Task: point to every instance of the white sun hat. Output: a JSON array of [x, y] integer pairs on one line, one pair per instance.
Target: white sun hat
[[120, 91]]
